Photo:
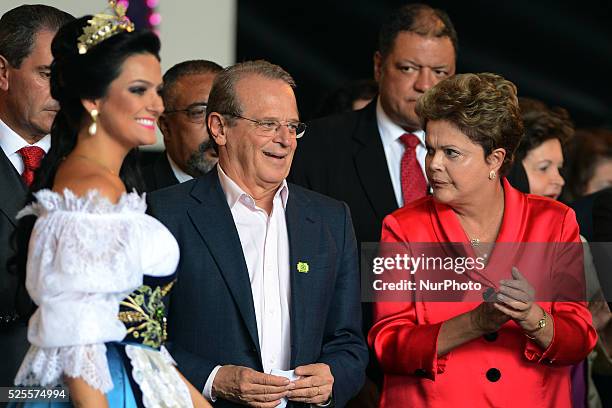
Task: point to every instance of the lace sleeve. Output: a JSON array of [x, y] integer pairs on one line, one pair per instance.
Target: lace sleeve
[[81, 263], [46, 366]]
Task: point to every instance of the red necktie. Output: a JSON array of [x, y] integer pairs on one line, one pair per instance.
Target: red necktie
[[32, 156], [413, 181]]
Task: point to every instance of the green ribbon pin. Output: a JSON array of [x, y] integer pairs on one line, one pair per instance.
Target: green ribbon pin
[[302, 267]]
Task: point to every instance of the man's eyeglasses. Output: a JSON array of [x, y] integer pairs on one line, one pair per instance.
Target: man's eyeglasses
[[270, 127], [196, 113]]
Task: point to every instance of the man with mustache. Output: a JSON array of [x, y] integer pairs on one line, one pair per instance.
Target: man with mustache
[[189, 152], [26, 114]]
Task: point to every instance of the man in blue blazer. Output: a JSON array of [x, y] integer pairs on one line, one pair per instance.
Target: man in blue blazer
[[266, 308]]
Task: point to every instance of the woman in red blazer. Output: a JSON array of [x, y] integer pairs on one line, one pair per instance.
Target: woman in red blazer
[[511, 350]]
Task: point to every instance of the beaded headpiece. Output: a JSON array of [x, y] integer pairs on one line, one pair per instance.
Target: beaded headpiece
[[103, 26]]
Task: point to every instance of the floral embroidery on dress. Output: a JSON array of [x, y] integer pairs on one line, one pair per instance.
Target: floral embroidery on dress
[[86, 254], [144, 314]]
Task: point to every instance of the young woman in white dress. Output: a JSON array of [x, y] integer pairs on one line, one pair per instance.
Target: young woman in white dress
[[92, 244]]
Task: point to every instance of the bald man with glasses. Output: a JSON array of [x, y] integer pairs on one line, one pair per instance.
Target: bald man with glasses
[[189, 152]]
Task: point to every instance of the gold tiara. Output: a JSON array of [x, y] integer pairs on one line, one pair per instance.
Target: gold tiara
[[103, 26]]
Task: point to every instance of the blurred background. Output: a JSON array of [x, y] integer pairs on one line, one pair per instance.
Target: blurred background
[[560, 52], [556, 51]]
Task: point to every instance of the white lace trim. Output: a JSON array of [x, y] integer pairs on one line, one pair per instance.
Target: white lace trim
[[47, 366], [92, 203], [166, 356], [159, 381]]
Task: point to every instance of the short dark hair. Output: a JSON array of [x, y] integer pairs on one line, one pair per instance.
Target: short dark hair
[[542, 123], [484, 107], [19, 27], [416, 18], [192, 67]]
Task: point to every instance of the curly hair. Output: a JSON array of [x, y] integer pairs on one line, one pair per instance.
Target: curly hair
[[482, 106], [542, 123]]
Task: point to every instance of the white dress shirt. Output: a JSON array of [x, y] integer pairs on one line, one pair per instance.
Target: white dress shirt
[[390, 134], [11, 142], [265, 245], [180, 175]]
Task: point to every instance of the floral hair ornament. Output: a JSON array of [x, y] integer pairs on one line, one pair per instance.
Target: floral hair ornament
[[103, 26]]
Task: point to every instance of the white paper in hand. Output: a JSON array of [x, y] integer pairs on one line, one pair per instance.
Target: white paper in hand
[[290, 375]]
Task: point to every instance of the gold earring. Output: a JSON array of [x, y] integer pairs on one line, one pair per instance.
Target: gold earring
[[93, 127], [492, 175]]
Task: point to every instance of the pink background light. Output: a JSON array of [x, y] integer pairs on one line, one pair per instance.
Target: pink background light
[[155, 19]]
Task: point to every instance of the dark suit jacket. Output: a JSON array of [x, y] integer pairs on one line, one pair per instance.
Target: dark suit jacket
[[13, 340], [602, 235], [342, 156], [158, 174], [602, 216], [585, 215], [212, 318]]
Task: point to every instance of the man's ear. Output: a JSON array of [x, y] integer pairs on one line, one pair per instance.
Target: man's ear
[[4, 73], [217, 128], [162, 123], [378, 65]]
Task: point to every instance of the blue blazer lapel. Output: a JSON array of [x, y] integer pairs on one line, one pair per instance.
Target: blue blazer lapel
[[214, 222], [303, 228]]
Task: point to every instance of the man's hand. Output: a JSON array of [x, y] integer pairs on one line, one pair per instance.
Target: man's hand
[[249, 387], [315, 385]]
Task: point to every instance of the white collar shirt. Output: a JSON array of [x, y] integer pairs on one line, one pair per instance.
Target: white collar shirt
[[11, 142], [180, 175], [265, 245], [390, 134]]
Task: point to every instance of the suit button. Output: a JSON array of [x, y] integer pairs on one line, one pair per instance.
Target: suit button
[[493, 374], [419, 372], [490, 336]]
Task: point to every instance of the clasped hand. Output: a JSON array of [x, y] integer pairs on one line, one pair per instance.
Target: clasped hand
[[253, 388], [514, 300], [314, 386]]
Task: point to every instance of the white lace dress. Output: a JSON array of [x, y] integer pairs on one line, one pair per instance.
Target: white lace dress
[[86, 255]]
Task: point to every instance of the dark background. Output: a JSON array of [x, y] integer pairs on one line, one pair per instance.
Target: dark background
[[560, 52]]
